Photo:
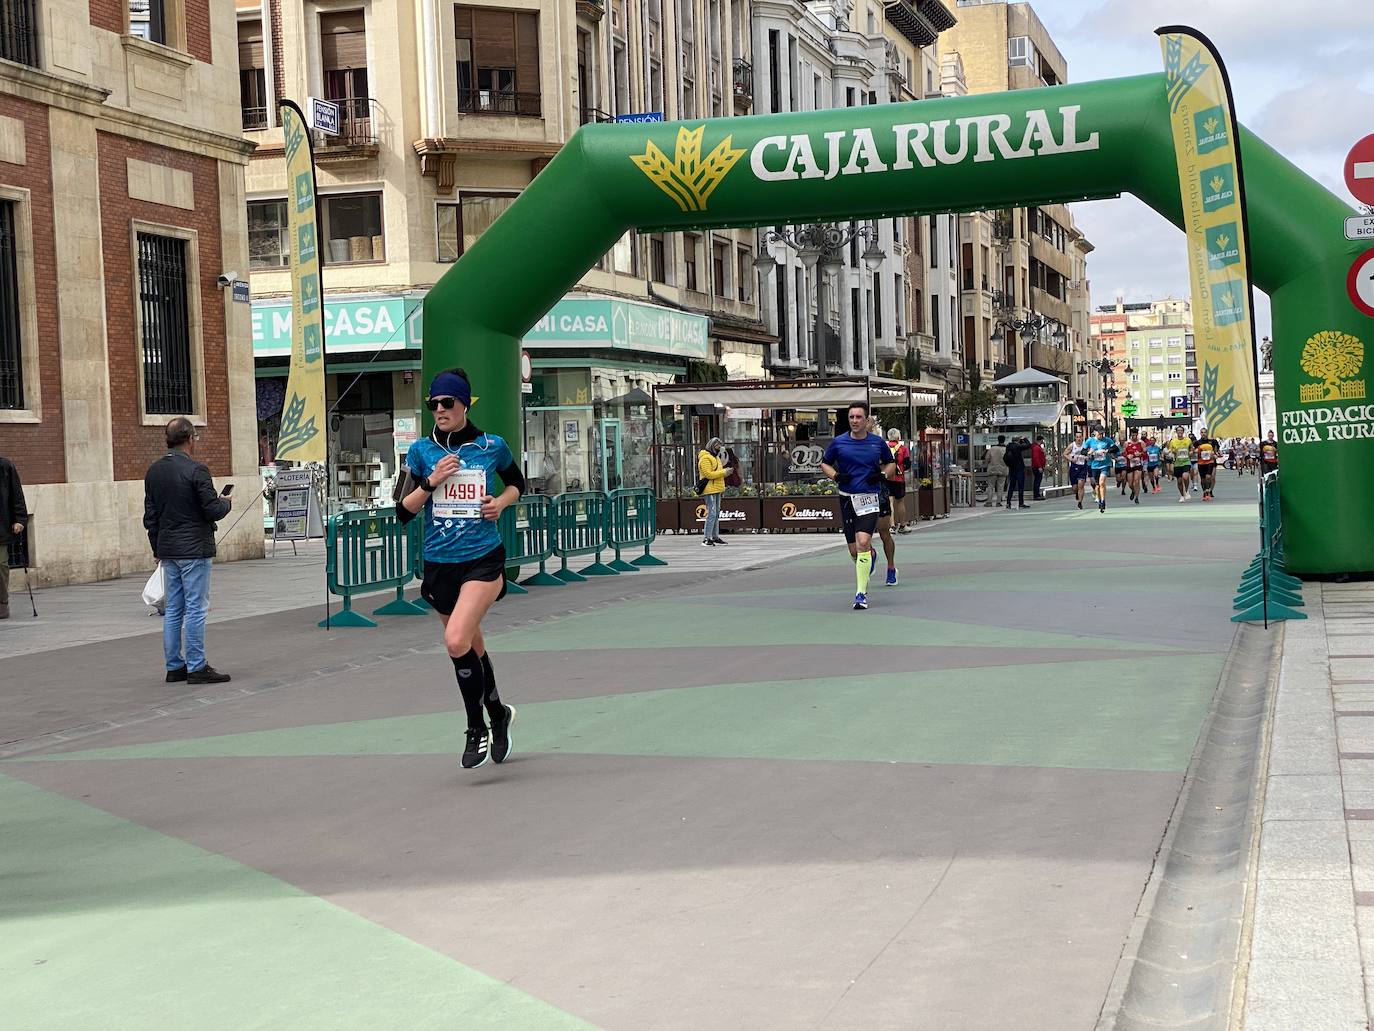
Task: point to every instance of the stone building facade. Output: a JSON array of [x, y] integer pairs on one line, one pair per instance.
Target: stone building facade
[[121, 213]]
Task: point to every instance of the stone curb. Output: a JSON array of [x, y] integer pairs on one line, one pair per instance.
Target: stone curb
[[1181, 965]]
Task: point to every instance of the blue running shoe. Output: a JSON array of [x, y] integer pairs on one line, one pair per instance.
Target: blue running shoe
[[861, 601], [891, 577]]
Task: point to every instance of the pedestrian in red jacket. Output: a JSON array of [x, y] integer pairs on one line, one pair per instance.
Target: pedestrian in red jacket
[[1038, 467]]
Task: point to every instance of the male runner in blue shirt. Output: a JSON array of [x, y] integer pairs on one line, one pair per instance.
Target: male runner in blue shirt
[[1101, 449], [858, 461]]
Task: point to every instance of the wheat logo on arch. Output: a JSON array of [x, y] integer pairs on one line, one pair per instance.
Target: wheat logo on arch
[[1334, 358], [688, 178]]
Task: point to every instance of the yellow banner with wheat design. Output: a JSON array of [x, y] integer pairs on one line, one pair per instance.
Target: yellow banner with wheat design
[[688, 178], [301, 437], [1210, 178]]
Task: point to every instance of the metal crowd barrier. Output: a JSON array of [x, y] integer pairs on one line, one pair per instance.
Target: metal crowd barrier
[[1266, 590], [579, 528], [368, 551], [527, 533], [633, 522]]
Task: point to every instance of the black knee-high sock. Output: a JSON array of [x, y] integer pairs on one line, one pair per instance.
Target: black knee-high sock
[[471, 684], [491, 699]]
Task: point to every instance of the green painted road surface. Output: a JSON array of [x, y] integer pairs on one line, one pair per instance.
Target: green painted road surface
[[735, 802]]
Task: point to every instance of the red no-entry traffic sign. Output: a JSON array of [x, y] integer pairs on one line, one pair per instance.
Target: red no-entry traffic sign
[[1360, 283], [1359, 170]]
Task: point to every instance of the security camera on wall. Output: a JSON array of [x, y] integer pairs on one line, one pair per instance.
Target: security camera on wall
[[226, 280]]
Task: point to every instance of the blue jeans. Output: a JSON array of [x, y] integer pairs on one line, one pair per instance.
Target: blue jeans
[[188, 599], [1016, 484], [712, 516]]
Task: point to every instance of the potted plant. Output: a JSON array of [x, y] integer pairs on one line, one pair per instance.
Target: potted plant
[[925, 498], [666, 511]]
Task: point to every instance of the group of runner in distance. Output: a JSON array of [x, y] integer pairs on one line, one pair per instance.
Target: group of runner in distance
[[1141, 463]]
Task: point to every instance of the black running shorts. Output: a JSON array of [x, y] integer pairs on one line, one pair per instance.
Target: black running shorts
[[857, 524], [443, 580], [896, 488]]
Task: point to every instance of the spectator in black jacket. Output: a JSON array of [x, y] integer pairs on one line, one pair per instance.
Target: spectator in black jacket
[[180, 508], [14, 516], [1017, 457]]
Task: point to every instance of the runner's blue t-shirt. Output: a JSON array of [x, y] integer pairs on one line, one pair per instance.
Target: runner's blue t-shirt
[[857, 462], [1099, 452], [1153, 454], [460, 540]]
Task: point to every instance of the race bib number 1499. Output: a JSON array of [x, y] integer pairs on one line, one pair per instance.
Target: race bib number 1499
[[460, 496]]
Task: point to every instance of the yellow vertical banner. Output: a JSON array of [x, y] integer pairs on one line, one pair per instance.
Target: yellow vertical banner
[[1213, 193], [301, 437]]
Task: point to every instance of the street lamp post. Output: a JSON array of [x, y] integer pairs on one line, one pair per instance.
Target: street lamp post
[[1029, 329], [820, 248], [1105, 368]]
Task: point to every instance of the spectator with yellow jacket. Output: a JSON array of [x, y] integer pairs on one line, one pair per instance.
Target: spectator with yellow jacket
[[711, 485]]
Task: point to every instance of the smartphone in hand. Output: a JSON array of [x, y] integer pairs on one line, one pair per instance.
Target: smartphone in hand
[[228, 489]]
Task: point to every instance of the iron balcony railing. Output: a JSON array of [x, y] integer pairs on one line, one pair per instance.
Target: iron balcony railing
[[498, 102], [357, 124], [744, 79], [19, 32], [589, 115], [254, 118]]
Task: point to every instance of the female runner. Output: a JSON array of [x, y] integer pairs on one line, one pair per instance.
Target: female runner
[[455, 470]]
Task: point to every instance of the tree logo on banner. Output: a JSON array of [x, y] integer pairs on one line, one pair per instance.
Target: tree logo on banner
[[1336, 359], [688, 179]]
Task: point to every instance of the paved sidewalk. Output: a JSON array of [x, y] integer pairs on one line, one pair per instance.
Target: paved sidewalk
[[1312, 952], [735, 801]]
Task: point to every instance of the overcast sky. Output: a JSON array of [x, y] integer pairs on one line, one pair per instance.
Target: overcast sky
[[1303, 79]]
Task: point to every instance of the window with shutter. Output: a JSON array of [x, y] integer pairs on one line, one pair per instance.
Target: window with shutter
[[252, 75], [497, 61], [343, 57]]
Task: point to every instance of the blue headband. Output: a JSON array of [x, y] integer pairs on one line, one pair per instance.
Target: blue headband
[[450, 384]]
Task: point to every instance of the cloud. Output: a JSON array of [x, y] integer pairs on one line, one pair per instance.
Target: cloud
[[1237, 25], [1140, 256], [1319, 116]]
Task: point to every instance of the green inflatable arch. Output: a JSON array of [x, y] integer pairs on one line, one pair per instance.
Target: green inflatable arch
[[1054, 145]]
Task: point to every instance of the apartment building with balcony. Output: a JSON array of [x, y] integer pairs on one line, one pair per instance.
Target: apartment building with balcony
[[448, 111], [1155, 340], [895, 319], [1019, 264], [121, 206]]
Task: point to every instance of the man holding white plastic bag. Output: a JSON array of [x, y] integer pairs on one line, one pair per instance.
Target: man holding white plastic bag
[[180, 508]]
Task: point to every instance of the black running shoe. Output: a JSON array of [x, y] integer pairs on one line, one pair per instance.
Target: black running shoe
[[500, 736], [478, 747]]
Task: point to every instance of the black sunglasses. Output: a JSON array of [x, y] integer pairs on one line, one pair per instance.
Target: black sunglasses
[[434, 403]]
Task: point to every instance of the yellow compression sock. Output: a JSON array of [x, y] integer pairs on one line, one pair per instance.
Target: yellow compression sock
[[863, 567]]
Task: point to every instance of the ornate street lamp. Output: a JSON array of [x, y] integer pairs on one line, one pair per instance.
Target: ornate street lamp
[[821, 251]]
